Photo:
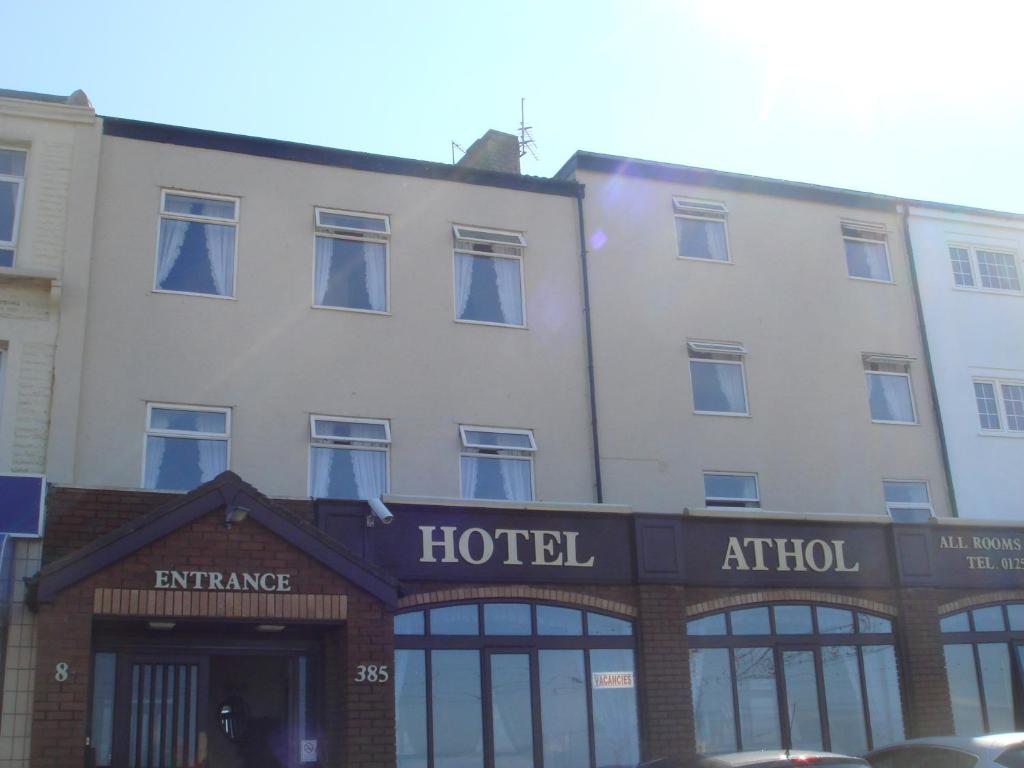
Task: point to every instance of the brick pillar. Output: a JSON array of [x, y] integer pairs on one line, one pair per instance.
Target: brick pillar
[[369, 707], [664, 673], [923, 665]]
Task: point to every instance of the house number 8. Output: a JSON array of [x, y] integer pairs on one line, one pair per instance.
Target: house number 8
[[61, 673], [372, 673]]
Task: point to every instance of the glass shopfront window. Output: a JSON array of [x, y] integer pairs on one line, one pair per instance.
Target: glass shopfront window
[[984, 650], [514, 685], [794, 676]]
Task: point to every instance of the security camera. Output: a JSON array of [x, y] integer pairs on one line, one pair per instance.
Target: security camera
[[380, 513]]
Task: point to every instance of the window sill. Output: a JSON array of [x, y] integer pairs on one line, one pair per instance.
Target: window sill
[[723, 413], [19, 273], [383, 313], [190, 293], [870, 280], [1001, 433], [704, 261], [717, 508], [492, 325], [897, 423], [990, 291]]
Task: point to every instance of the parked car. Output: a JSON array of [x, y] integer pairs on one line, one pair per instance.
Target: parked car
[[777, 758], [1000, 750]]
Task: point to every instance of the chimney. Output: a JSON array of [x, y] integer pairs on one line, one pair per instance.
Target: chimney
[[494, 151]]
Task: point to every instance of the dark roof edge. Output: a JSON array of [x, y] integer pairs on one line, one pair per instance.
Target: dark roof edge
[[341, 158]]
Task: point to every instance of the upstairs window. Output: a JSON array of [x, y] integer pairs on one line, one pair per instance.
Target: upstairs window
[[489, 276], [730, 491], [717, 377], [1000, 405], [988, 268], [700, 229], [351, 269], [185, 445], [497, 463], [348, 458], [889, 392], [196, 252], [908, 501], [12, 189], [867, 257]]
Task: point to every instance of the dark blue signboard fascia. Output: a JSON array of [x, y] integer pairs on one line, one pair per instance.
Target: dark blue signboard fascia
[[968, 556], [21, 505]]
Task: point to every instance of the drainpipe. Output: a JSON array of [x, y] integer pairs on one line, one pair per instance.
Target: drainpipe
[[904, 209], [590, 346]]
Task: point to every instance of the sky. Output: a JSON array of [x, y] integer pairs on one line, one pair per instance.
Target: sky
[[915, 99]]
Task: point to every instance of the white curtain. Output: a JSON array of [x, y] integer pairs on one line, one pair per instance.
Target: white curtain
[[507, 274], [212, 458], [715, 232], [155, 447], [220, 248], [469, 472], [320, 471], [892, 395], [370, 470], [463, 282], [172, 235], [373, 257], [324, 251], [515, 477], [730, 381]]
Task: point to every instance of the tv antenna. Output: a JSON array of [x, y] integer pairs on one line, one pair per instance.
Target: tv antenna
[[458, 147], [526, 140]]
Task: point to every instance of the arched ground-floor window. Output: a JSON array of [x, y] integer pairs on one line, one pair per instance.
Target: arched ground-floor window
[[514, 685], [794, 675]]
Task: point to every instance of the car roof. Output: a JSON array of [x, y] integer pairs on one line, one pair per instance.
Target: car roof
[[771, 755], [992, 744]]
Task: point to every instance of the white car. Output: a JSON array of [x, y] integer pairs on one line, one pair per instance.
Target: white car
[[999, 750]]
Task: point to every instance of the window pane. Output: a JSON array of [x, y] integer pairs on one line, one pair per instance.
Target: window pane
[[998, 270], [701, 239], [616, 736], [905, 492], [873, 624], [8, 206], [507, 619], [409, 623], [730, 487], [559, 621], [456, 707], [889, 396], [707, 625], [961, 267], [841, 671], [498, 439], [347, 473], [758, 702], [6, 257], [12, 162], [410, 709], [181, 463], [488, 289], [793, 620], [348, 221], [486, 477], [867, 260], [199, 206], [511, 710], [883, 687], [563, 708], [1013, 404], [350, 430], [492, 237], [1016, 613], [988, 619], [718, 387], [196, 257], [102, 734], [963, 690], [994, 659], [599, 624], [210, 422], [988, 411], [350, 273], [454, 620], [713, 714], [955, 623], [834, 620], [802, 703], [750, 621]]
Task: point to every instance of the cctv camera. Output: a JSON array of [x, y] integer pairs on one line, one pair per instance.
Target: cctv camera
[[381, 512]]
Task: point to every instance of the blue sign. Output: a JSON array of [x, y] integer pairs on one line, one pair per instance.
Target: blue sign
[[21, 505]]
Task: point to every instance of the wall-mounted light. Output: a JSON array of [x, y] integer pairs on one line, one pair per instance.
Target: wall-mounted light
[[163, 626], [269, 627], [235, 513]]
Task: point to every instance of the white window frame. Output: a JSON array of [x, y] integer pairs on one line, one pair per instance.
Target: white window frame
[[461, 229], [718, 348], [883, 238], [721, 473], [701, 210], [200, 220], [463, 428], [477, 451], [362, 235], [891, 505], [894, 360], [1004, 427], [972, 259], [380, 445], [179, 433], [18, 203]]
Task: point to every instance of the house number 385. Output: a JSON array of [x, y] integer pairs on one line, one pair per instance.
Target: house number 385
[[372, 673]]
